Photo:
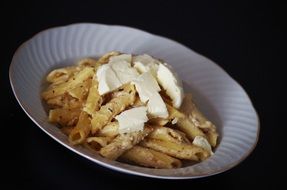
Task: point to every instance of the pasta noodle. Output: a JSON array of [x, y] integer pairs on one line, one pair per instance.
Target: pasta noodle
[[96, 143], [150, 158], [110, 130], [94, 100], [181, 151], [65, 117], [168, 134], [198, 121], [60, 89], [79, 134], [123, 143], [113, 108]]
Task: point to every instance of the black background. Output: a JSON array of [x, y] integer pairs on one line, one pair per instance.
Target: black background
[[243, 38]]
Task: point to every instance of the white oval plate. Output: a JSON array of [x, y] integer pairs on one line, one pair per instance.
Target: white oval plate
[[221, 98]]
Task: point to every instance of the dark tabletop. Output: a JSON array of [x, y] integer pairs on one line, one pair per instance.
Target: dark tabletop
[[242, 38]]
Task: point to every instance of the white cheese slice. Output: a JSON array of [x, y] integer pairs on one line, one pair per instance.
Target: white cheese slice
[[203, 143], [156, 106], [171, 84], [116, 73], [164, 75], [132, 120], [145, 63], [148, 88], [124, 71], [107, 78]]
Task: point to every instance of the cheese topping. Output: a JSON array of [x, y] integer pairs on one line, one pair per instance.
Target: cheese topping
[[145, 63], [132, 120], [108, 79], [116, 73], [148, 88], [164, 74], [119, 71], [171, 84]]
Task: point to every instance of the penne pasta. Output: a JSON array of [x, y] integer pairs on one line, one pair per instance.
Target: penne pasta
[[88, 62], [81, 90], [60, 89], [94, 100], [67, 130], [96, 143], [150, 158], [157, 121], [56, 102], [174, 113], [199, 120], [168, 134], [194, 114], [64, 101], [191, 131], [123, 143], [113, 108], [105, 58], [212, 137], [63, 116], [181, 151], [79, 134], [58, 76], [110, 130]]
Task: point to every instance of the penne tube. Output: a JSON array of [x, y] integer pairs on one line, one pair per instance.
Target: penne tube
[[67, 130], [168, 134], [110, 130], [88, 62], [173, 112], [96, 143], [94, 100], [177, 150], [79, 134], [199, 120], [113, 108], [158, 121], [56, 102], [64, 101], [105, 58], [191, 131], [65, 117], [194, 114], [212, 137], [150, 158], [123, 143], [60, 89], [60, 75], [80, 91]]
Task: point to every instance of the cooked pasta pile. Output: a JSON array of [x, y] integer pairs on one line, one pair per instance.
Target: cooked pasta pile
[[95, 116]]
